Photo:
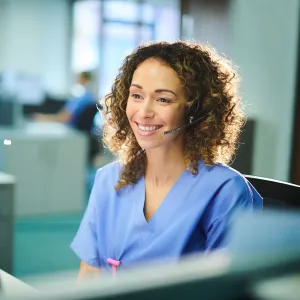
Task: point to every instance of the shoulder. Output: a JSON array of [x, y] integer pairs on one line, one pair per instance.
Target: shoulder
[[108, 173], [87, 97], [225, 180], [104, 184], [222, 173]]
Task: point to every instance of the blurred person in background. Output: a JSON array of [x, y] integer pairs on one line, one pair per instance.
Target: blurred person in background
[[82, 97], [80, 113], [173, 118]]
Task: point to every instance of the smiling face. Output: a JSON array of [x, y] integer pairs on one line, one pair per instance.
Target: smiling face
[[156, 104]]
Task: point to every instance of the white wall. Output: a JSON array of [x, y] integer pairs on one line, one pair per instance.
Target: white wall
[[207, 22], [2, 21], [264, 45], [35, 39]]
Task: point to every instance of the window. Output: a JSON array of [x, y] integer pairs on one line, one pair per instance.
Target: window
[[86, 35], [105, 31]]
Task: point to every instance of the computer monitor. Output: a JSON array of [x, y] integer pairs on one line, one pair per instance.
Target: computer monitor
[[17, 90], [222, 275], [22, 88]]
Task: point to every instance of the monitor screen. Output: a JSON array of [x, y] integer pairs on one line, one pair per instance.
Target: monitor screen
[[23, 88]]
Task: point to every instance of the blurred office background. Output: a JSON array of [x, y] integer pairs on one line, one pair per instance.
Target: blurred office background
[[47, 169]]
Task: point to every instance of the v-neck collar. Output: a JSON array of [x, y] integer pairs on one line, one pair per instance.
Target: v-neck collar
[[166, 209]]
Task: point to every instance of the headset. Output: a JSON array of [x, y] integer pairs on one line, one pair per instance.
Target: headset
[[194, 115]]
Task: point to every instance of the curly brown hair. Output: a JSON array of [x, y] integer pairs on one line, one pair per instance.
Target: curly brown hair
[[210, 81]]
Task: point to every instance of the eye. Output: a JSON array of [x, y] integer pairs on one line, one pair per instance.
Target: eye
[[136, 96], [164, 100]]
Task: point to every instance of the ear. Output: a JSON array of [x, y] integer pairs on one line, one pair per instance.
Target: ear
[[190, 113]]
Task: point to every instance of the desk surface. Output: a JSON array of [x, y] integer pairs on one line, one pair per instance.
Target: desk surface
[[38, 130], [11, 286], [6, 179]]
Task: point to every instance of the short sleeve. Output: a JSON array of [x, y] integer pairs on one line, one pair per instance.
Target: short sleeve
[[84, 244], [235, 195], [70, 106]]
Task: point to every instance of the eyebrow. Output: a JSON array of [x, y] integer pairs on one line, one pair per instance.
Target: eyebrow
[[156, 91]]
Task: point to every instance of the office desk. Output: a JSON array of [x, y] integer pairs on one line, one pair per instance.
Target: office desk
[[232, 273], [11, 286], [49, 162]]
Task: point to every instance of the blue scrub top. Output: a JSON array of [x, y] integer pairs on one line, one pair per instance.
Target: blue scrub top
[[193, 217]]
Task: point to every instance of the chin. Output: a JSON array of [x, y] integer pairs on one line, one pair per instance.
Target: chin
[[149, 145]]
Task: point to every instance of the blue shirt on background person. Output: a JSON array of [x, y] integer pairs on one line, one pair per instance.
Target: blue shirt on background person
[[76, 104], [69, 114]]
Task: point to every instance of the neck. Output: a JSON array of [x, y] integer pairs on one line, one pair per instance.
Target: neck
[[164, 165]]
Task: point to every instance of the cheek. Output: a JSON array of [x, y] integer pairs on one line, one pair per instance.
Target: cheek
[[175, 118], [130, 110]]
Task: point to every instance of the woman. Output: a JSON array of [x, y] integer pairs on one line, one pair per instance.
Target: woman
[[173, 117]]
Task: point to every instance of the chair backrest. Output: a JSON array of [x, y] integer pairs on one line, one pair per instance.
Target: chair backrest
[[85, 123], [276, 194], [85, 119]]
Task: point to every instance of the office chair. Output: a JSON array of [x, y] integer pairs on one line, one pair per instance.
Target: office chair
[[276, 194], [85, 118], [85, 123]]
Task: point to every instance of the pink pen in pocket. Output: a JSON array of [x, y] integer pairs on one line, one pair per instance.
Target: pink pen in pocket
[[114, 263]]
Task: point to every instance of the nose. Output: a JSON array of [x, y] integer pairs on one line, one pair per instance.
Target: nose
[[147, 109]]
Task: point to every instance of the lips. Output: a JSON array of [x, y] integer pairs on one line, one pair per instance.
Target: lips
[[147, 129]]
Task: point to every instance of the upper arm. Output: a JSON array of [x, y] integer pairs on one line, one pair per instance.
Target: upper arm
[[235, 195], [86, 270], [85, 243]]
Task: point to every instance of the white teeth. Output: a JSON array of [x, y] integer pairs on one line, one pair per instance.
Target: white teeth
[[148, 128]]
